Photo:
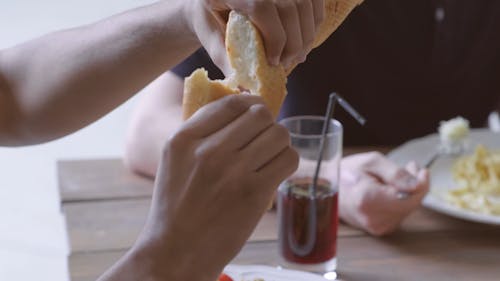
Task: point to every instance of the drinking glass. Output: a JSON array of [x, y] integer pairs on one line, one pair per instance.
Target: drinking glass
[[308, 216]]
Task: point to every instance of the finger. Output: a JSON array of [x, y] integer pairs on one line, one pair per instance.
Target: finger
[[306, 16], [319, 12], [423, 177], [387, 196], [212, 40], [245, 128], [217, 52], [266, 19], [267, 145], [413, 168], [291, 23], [280, 167], [389, 172], [218, 114], [420, 190]]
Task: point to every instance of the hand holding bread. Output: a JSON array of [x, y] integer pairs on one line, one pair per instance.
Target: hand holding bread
[[287, 27], [251, 68]]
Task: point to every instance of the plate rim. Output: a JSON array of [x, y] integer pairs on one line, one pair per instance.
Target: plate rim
[[430, 200], [239, 269]]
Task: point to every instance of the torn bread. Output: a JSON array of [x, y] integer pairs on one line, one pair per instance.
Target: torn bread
[[200, 90], [246, 53]]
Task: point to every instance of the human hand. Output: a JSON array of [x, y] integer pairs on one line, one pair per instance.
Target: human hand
[[287, 27], [369, 187], [216, 177]]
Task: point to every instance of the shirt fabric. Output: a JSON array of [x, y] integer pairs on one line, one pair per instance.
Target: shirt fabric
[[404, 64]]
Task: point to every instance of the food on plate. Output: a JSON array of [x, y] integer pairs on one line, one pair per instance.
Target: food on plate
[[478, 179], [454, 130], [251, 70]]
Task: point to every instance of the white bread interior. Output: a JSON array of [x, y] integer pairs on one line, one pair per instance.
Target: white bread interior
[[252, 72]]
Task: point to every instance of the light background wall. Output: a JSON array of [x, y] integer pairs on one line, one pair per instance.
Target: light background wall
[[33, 243]]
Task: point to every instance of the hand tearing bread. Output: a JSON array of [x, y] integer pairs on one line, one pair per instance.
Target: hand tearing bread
[[251, 71]]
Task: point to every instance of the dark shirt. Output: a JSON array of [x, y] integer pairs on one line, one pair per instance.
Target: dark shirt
[[404, 64]]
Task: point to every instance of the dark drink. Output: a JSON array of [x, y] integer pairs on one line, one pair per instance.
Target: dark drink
[[308, 225]]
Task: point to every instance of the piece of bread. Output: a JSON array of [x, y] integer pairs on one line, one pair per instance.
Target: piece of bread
[[200, 90], [246, 53]]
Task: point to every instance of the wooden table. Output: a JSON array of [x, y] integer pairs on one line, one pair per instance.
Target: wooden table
[[106, 206]]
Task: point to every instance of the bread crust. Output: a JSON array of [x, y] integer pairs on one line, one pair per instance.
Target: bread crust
[[247, 57], [199, 90], [246, 53]]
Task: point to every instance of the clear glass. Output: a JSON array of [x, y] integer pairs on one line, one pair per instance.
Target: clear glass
[[308, 218]]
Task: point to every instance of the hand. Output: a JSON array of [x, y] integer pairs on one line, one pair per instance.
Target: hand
[[369, 186], [288, 27], [216, 177]]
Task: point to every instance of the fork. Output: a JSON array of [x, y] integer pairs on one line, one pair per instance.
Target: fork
[[455, 148]]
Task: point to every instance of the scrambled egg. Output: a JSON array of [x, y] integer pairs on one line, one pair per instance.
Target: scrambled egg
[[478, 179]]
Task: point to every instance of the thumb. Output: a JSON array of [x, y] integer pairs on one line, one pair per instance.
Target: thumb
[[216, 49], [212, 38]]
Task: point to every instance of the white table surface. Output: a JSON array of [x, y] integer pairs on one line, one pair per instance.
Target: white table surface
[[33, 240]]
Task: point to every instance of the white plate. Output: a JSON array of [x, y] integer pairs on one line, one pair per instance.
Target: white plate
[[422, 149], [267, 273]]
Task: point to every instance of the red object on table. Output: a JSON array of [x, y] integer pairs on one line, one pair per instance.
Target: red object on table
[[225, 277]]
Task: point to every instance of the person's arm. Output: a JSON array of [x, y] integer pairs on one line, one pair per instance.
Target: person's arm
[[157, 116], [61, 82], [369, 189]]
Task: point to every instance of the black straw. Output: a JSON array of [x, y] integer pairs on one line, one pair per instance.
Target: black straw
[[326, 126], [307, 248]]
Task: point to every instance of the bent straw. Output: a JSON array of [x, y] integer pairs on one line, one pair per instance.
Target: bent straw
[[333, 99], [312, 221]]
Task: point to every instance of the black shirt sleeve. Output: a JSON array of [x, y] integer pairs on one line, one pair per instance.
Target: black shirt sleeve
[[198, 59]]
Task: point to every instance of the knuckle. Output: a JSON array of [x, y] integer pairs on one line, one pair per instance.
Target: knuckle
[[204, 154], [282, 133], [167, 147], [261, 113], [399, 174], [235, 103], [176, 142]]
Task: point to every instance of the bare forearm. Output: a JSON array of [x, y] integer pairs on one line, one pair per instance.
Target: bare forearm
[[83, 73], [156, 118]]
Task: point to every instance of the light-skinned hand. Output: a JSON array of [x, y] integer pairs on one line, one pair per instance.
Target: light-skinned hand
[[369, 189], [216, 177], [288, 27]]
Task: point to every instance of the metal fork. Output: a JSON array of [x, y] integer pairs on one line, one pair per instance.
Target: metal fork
[[444, 149]]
